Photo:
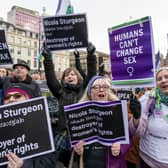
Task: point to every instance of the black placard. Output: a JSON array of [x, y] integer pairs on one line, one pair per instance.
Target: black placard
[[96, 121], [25, 129], [5, 57], [66, 32]]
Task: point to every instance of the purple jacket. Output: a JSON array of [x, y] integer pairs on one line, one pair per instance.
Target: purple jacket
[[119, 161]]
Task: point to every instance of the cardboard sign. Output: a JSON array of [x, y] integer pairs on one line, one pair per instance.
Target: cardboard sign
[[25, 129], [103, 122], [5, 57], [132, 54], [66, 32]]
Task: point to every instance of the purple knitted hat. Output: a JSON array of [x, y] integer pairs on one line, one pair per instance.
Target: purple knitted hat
[[90, 84]]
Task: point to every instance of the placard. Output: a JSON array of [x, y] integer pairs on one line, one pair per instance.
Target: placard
[[5, 57], [25, 129], [93, 121], [132, 54], [66, 32]]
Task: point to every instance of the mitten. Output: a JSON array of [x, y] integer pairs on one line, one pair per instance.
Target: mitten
[[91, 49], [135, 107], [101, 69], [76, 53], [46, 53]]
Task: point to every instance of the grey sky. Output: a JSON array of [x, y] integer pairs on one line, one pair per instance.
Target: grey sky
[[102, 15]]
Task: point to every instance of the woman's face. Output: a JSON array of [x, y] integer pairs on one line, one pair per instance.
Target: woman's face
[[100, 90], [14, 97], [71, 78], [162, 81]]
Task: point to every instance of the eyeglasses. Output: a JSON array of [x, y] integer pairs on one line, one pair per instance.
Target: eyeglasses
[[98, 87], [15, 96]]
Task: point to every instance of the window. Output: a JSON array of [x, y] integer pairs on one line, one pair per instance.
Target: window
[[29, 43], [11, 39], [35, 53], [35, 44], [35, 63], [29, 62], [29, 52], [12, 50], [19, 52]]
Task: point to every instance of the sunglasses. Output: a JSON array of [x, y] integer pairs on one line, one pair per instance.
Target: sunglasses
[[15, 96]]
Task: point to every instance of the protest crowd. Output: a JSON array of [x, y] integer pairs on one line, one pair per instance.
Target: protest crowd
[[90, 122]]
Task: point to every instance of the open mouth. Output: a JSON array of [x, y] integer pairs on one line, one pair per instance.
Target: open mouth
[[101, 95], [70, 81], [164, 86]]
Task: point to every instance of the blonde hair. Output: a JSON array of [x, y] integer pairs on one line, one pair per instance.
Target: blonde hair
[[107, 81]]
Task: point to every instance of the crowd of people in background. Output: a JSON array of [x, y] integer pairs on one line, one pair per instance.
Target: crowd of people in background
[[147, 114]]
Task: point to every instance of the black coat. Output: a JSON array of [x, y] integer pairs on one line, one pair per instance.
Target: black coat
[[65, 93], [28, 82]]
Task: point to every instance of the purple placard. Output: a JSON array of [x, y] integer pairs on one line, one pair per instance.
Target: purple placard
[[131, 51]]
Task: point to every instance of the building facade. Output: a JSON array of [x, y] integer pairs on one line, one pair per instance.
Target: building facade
[[24, 39], [22, 44], [24, 18]]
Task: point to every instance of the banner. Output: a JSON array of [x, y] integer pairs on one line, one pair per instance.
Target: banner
[[66, 32], [5, 57], [132, 54], [103, 122], [25, 129]]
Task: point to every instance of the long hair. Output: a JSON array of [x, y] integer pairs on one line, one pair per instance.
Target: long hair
[[107, 81]]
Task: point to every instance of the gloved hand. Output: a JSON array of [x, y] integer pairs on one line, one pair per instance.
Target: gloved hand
[[46, 53], [91, 49], [76, 53], [135, 107], [101, 69]]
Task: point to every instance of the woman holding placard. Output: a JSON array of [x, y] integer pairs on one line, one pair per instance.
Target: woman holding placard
[[97, 155]]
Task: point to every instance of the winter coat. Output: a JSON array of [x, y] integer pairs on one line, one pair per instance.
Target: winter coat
[[99, 156], [44, 161], [28, 82], [65, 93], [117, 161]]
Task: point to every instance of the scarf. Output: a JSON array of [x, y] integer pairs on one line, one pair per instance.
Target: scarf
[[158, 97]]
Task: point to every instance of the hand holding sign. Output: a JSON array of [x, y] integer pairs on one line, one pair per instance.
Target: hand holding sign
[[46, 52], [14, 161], [79, 149], [115, 149]]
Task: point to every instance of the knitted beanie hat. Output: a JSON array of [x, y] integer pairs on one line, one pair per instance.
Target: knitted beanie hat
[[20, 88], [90, 84]]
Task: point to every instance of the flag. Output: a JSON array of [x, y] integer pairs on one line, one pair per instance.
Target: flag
[[39, 57], [158, 60], [64, 7]]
